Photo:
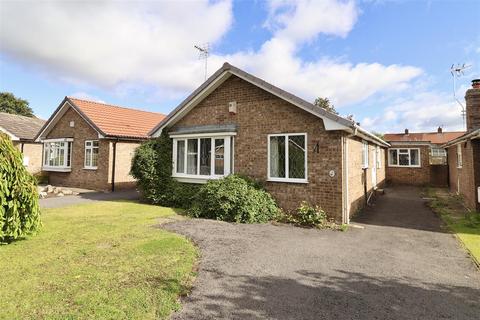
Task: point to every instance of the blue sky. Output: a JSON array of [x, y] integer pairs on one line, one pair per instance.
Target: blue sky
[[385, 62]]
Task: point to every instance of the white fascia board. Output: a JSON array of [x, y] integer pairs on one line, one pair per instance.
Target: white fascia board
[[11, 135], [201, 135], [58, 140]]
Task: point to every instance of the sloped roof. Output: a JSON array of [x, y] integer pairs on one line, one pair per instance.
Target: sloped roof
[[333, 121], [23, 128], [431, 137], [110, 120], [470, 135]]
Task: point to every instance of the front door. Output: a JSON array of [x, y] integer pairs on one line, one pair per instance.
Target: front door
[[374, 168]]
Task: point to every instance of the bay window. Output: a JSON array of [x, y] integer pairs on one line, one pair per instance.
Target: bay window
[[287, 157], [404, 157], [202, 157], [57, 155], [91, 154]]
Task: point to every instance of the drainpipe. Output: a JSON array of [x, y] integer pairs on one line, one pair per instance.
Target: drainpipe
[[113, 164], [365, 186], [21, 147]]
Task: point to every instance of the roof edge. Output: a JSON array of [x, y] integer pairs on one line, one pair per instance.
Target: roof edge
[[467, 136]]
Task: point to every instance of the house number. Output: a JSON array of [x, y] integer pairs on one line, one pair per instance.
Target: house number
[[331, 173]]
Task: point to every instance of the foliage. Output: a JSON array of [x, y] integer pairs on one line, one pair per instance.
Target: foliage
[[19, 210], [307, 216], [325, 103], [378, 135], [11, 104], [234, 199], [41, 177], [152, 167], [105, 260]]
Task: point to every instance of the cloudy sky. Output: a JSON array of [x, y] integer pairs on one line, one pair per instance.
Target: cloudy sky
[[385, 62]]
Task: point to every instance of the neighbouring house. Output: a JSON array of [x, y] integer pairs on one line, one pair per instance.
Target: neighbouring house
[[238, 123], [464, 153], [22, 130], [88, 144], [418, 158]]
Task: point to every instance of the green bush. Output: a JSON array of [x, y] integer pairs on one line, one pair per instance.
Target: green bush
[[19, 210], [152, 168], [234, 199], [307, 216]]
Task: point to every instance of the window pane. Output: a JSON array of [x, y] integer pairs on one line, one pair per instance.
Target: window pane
[[95, 143], [94, 157], [393, 157], [192, 155], [69, 153], [88, 155], [181, 156], [277, 157], [205, 156], [219, 156], [414, 160], [296, 157], [403, 159]]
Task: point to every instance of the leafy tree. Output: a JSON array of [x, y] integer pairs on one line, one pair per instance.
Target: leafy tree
[[378, 134], [19, 210], [325, 103], [11, 104]]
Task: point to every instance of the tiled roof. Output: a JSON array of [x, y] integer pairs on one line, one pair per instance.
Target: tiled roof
[[431, 137], [24, 128], [118, 121]]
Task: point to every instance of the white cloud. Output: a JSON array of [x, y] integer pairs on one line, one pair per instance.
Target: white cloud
[[111, 42], [137, 45], [421, 111]]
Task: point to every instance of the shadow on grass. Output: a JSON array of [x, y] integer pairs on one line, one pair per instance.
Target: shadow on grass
[[348, 295]]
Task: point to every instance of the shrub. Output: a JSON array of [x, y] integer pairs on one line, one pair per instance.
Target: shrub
[[152, 168], [19, 210], [307, 216], [234, 199]]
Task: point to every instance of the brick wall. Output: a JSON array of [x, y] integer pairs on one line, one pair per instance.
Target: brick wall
[[80, 177], [472, 98], [260, 113], [356, 175], [462, 180], [407, 175], [124, 155], [34, 153]]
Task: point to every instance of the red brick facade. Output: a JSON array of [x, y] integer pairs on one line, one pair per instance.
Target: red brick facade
[[259, 114], [79, 176]]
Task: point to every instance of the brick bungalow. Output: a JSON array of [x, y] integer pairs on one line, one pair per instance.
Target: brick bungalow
[[464, 153], [90, 145], [238, 123], [22, 130], [418, 158]]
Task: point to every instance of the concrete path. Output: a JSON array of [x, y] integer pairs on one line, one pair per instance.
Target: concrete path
[[89, 197], [401, 266]]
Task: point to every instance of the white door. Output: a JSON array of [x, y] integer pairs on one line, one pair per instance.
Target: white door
[[374, 168]]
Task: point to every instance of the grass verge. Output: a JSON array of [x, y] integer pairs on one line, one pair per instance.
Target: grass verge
[[101, 261], [466, 225]]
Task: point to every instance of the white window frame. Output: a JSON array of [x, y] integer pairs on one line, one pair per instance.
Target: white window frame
[[365, 155], [459, 156], [287, 179], [434, 152], [65, 167], [409, 158], [91, 148], [198, 178]]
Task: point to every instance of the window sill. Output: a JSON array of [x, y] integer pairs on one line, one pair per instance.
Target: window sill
[[90, 168], [301, 181], [195, 179], [57, 169], [394, 166]]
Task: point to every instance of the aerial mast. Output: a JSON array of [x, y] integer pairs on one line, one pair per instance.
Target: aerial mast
[[203, 53]]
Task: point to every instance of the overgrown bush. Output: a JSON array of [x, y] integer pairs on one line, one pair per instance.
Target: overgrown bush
[[19, 210], [234, 199], [307, 216], [152, 168]]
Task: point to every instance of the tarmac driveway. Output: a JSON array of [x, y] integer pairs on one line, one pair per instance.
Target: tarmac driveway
[[401, 266]]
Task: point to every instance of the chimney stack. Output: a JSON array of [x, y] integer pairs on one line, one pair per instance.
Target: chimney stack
[[472, 97], [439, 130], [406, 131]]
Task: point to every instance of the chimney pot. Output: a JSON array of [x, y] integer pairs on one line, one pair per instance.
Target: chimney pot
[[439, 130], [476, 83], [406, 131]]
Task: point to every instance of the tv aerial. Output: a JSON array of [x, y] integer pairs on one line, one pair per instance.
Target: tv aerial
[[457, 71], [203, 53]]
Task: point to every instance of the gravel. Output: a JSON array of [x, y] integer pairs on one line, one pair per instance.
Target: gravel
[[402, 265]]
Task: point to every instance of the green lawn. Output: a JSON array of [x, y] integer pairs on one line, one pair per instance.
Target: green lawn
[[96, 261], [465, 224]]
